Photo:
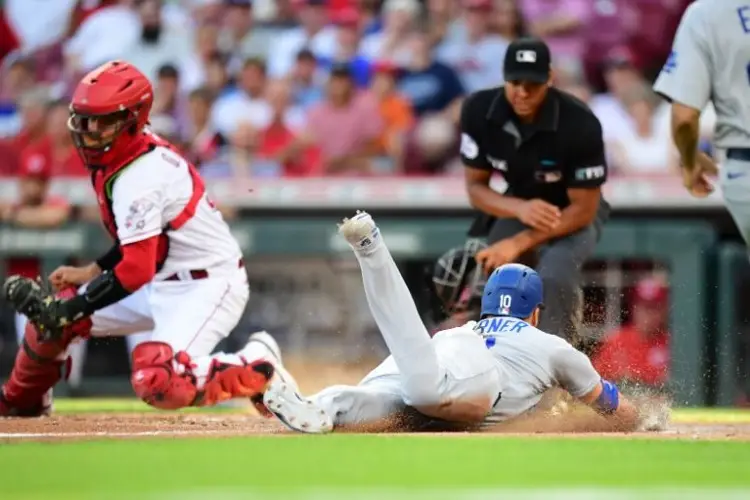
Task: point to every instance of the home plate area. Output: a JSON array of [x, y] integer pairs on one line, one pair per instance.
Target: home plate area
[[87, 426], [556, 416]]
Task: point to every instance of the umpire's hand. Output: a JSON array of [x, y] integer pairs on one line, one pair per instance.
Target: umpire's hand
[[501, 253], [539, 214]]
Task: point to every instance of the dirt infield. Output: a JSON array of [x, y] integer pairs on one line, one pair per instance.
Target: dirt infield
[[552, 420], [143, 425]]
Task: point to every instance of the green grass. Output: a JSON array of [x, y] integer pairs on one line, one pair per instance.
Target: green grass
[[388, 467], [274, 464], [118, 405], [711, 415]]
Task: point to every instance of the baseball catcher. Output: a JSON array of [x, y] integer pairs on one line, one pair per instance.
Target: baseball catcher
[[174, 269]]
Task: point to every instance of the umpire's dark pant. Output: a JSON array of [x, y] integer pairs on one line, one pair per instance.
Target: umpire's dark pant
[[559, 264]]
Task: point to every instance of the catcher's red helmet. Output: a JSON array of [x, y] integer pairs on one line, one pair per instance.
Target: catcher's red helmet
[[109, 108]]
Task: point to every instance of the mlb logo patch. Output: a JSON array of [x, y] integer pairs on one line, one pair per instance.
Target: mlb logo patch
[[526, 56]]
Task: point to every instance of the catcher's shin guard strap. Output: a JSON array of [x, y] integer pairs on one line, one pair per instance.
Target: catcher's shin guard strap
[[35, 371], [609, 399], [34, 356], [155, 380]]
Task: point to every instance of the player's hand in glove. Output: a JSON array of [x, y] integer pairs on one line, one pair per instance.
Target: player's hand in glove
[[39, 304], [539, 215]]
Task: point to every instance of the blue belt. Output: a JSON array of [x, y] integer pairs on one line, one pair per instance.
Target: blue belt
[[740, 154]]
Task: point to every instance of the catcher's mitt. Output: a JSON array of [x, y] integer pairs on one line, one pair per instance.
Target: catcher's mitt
[[38, 303]]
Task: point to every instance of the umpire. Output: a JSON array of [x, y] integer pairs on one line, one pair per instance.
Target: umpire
[[548, 146]]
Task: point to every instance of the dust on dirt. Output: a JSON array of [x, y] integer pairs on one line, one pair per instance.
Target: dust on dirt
[[556, 416], [88, 426]]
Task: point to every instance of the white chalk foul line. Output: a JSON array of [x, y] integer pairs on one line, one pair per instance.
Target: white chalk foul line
[[591, 493], [37, 435]]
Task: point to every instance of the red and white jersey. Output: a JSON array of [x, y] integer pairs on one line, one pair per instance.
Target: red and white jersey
[[156, 194]]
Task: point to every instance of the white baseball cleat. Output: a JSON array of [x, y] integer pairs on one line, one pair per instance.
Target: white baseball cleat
[[267, 340], [282, 398], [294, 411], [361, 232]]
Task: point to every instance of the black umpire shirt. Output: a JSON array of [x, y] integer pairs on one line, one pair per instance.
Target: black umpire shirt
[[563, 148]]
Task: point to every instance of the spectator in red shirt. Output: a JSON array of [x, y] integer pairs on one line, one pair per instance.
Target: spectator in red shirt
[[55, 153], [9, 41], [639, 352], [34, 209], [281, 132]]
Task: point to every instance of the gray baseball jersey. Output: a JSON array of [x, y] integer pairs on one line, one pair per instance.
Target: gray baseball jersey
[[710, 60], [533, 361], [523, 363]]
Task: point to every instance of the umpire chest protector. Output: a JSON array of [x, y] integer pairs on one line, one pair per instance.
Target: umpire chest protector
[[560, 149]]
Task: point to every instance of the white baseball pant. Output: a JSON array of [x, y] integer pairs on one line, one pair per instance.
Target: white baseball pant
[[452, 376], [189, 315]]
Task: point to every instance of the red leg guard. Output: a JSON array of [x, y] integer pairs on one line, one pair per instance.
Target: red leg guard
[[156, 381], [38, 368]]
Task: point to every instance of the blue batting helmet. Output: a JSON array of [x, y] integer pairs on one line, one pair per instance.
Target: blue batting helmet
[[512, 290]]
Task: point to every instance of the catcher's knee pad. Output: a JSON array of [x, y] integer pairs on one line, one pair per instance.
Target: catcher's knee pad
[[155, 379]]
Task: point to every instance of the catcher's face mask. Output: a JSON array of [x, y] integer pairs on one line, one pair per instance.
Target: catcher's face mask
[[98, 132], [457, 280]]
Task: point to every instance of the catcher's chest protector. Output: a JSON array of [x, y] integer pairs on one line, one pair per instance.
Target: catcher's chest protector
[[104, 180]]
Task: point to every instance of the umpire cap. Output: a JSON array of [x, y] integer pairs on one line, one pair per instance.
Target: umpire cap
[[512, 290], [527, 59]]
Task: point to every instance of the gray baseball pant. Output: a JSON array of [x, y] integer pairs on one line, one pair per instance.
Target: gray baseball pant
[[559, 264], [735, 187]]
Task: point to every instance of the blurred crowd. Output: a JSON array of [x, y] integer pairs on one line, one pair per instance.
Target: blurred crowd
[[279, 88], [294, 88]]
